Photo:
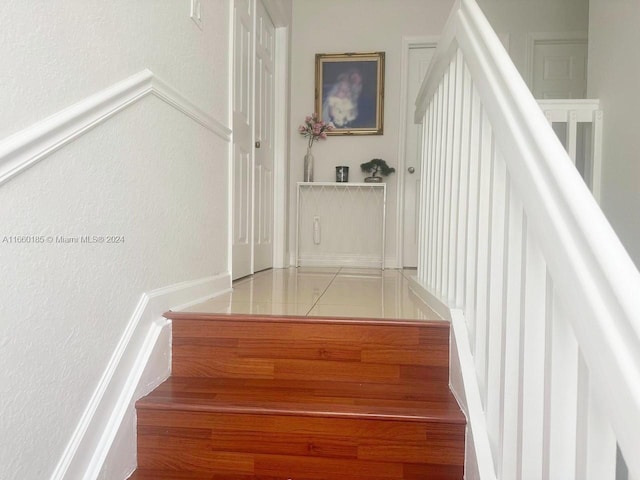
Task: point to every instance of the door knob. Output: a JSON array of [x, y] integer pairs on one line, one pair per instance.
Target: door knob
[[411, 169], [258, 144]]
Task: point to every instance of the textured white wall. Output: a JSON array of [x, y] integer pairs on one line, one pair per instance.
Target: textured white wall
[[614, 77], [56, 53], [338, 26], [150, 174], [517, 18]]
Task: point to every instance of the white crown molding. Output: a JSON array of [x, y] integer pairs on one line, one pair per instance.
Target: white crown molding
[[36, 142], [140, 362]]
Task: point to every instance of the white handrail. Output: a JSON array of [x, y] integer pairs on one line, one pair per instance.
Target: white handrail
[[573, 265]]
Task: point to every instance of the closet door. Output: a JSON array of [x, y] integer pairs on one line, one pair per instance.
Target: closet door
[[253, 137], [264, 115], [242, 163]]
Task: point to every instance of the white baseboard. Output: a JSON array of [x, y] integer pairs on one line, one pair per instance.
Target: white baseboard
[[339, 260], [427, 297], [391, 262], [103, 444], [464, 385]]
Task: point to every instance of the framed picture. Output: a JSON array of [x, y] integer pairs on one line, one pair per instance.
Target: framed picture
[[350, 92]]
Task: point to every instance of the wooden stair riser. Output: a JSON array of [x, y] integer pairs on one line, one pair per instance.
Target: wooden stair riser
[[276, 350], [266, 398], [298, 447]]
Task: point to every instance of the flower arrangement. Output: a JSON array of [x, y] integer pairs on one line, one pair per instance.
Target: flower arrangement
[[314, 130]]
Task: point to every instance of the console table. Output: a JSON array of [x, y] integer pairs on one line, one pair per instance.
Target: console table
[[341, 224]]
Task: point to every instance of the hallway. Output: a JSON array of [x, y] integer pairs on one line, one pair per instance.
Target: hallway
[[313, 292]]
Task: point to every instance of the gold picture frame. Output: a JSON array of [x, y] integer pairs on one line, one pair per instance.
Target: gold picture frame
[[350, 92]]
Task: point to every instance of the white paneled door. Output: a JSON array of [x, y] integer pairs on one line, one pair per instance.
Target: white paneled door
[[264, 114], [253, 91], [243, 19], [559, 69], [419, 59]]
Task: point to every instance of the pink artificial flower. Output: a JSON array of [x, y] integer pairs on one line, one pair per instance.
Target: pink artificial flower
[[314, 129]]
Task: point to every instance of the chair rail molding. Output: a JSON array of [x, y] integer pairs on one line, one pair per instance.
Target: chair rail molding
[[36, 142]]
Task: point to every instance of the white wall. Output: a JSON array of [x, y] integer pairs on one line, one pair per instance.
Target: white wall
[[338, 26], [518, 18], [150, 174], [614, 78]]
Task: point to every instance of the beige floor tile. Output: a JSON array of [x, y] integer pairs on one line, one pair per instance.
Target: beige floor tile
[[369, 272], [364, 311], [259, 308], [316, 270], [355, 291], [404, 312], [341, 292], [289, 290]]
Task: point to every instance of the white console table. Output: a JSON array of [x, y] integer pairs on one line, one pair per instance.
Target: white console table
[[341, 224]]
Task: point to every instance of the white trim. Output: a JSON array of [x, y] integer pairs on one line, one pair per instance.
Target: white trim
[[230, 202], [534, 38], [464, 385], [120, 386], [281, 146], [478, 458], [407, 44], [279, 11], [339, 260], [27, 147], [172, 97], [428, 298], [391, 262]]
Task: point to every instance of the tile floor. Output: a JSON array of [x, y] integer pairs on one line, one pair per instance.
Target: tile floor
[[340, 292]]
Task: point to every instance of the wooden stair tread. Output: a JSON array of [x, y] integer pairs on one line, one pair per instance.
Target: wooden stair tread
[[155, 474], [259, 397], [236, 317], [306, 398]]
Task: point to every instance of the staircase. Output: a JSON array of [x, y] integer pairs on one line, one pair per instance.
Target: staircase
[[302, 398]]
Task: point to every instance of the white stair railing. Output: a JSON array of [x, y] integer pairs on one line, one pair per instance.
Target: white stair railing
[[569, 119], [543, 298]]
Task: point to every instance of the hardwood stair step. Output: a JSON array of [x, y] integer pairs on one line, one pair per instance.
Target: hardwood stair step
[[300, 447], [304, 398], [372, 350], [297, 398]]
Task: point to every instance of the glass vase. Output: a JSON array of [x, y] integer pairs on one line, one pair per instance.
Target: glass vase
[[308, 166]]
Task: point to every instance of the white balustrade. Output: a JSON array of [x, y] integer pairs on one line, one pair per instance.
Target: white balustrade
[[542, 296], [578, 124]]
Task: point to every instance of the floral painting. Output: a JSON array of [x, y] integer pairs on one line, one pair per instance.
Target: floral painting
[[350, 92]]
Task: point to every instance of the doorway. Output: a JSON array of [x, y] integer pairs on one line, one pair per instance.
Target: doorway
[[417, 58], [557, 65], [253, 138]]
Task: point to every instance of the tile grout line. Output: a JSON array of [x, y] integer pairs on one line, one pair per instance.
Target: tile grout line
[[324, 291]]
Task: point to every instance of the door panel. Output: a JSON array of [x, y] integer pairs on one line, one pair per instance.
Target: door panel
[[243, 85], [264, 134], [419, 60], [560, 69]]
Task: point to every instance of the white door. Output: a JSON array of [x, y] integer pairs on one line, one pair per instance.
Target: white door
[[559, 69], [264, 114], [243, 98], [419, 59]]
